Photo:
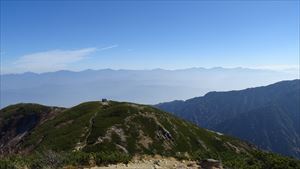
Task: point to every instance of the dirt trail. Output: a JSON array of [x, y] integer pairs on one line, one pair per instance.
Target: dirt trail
[[87, 133]]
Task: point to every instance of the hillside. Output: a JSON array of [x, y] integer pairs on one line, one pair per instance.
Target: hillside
[[268, 116], [115, 131], [17, 121]]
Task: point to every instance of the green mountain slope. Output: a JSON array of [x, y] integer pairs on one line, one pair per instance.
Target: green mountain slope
[[17, 121], [267, 116], [131, 129]]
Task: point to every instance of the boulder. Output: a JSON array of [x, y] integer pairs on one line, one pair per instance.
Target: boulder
[[211, 164]]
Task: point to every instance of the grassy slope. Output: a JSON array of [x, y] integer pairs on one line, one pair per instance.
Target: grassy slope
[[73, 125], [94, 127]]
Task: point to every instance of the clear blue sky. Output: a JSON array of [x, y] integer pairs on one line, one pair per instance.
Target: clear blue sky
[[48, 36]]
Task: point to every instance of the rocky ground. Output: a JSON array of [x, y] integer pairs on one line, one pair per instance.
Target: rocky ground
[[158, 162]]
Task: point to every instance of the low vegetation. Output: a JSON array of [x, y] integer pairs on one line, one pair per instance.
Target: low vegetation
[[53, 160], [102, 133]]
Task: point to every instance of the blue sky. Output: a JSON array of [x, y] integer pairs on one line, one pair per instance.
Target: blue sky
[[49, 36]]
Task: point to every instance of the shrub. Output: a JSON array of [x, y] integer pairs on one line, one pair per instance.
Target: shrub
[[103, 158], [6, 164], [46, 159], [77, 158]]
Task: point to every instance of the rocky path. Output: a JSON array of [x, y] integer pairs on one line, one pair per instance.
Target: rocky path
[[166, 163], [158, 162], [87, 133]]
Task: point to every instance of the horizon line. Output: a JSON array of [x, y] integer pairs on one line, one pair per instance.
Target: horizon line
[[151, 69]]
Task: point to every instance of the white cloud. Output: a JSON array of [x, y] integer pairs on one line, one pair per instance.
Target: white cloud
[[108, 47], [294, 69], [50, 60], [278, 67]]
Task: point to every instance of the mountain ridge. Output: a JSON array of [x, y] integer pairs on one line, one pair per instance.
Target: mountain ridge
[[127, 85], [218, 109], [154, 69]]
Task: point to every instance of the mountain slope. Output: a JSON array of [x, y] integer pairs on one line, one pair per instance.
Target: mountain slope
[[18, 120], [266, 116], [131, 128], [134, 129]]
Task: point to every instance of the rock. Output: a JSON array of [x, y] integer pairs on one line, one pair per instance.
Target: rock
[[155, 166], [190, 164], [211, 164], [156, 162]]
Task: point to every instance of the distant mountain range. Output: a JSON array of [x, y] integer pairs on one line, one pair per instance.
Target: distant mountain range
[[67, 88], [92, 129], [267, 116]]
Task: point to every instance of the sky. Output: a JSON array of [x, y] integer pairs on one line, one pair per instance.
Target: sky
[[76, 35]]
